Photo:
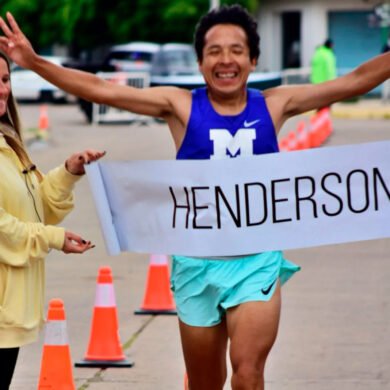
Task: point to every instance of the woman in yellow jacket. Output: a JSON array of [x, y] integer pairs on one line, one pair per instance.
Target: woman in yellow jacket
[[30, 204]]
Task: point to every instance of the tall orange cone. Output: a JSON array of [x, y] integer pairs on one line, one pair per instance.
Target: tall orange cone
[[43, 124], [56, 365], [158, 297], [104, 349]]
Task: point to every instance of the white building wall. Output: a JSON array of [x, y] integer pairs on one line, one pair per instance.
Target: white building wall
[[314, 30], [314, 26]]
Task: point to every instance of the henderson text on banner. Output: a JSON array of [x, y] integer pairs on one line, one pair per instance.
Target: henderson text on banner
[[244, 205]]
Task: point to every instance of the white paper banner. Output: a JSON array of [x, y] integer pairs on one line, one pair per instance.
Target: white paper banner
[[245, 205]]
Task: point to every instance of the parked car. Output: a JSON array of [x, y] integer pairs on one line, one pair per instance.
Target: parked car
[[28, 85], [174, 59], [131, 57]]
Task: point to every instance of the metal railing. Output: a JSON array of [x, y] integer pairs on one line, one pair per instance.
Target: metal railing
[[102, 113], [296, 76]]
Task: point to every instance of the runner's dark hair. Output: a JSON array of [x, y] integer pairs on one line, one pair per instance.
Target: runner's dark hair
[[228, 14]]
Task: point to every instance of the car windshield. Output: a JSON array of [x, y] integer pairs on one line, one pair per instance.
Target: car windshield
[[180, 58], [175, 62], [131, 56]]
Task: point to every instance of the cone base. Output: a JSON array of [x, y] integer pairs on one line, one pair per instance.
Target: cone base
[[104, 363], [158, 311]]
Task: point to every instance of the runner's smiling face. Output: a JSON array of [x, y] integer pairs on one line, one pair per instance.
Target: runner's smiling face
[[226, 62], [5, 86]]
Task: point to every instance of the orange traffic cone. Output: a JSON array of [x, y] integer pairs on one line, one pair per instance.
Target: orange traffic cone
[[104, 349], [314, 131], [292, 143], [186, 385], [158, 297], [43, 124], [303, 141], [56, 365], [283, 144], [328, 126]]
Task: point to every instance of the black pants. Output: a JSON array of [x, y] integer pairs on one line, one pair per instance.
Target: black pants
[[8, 357]]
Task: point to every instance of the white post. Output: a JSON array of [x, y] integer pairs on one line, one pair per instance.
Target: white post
[[214, 4]]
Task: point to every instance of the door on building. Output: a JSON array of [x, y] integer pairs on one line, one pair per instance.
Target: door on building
[[355, 41], [291, 39]]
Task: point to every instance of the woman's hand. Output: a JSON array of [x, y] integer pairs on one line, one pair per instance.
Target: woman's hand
[[75, 163], [75, 244], [15, 44]]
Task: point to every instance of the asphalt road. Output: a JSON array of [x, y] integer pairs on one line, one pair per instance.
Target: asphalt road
[[335, 326]]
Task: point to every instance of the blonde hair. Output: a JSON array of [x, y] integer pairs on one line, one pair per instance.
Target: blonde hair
[[11, 129]]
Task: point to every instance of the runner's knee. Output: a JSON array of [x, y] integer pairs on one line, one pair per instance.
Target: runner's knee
[[247, 377]]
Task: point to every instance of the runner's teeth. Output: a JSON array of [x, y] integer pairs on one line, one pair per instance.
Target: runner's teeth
[[226, 75]]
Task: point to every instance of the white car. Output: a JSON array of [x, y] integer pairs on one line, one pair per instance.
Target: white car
[[132, 57], [175, 59], [27, 85]]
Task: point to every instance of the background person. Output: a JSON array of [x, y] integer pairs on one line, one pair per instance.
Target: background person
[[30, 204], [323, 63], [242, 302]]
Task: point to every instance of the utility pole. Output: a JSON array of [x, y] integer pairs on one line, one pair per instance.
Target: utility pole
[[214, 4]]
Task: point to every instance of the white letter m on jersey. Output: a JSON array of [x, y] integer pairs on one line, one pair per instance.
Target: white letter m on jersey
[[226, 144]]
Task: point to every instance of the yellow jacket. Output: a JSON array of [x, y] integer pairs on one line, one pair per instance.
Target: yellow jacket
[[25, 241]]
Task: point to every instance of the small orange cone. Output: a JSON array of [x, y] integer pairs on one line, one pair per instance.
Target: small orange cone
[[283, 144], [292, 143], [303, 141], [104, 349], [186, 385], [158, 297], [56, 365], [328, 126], [314, 131], [43, 124]]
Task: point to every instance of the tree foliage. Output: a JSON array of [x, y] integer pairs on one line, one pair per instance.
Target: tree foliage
[[87, 24]]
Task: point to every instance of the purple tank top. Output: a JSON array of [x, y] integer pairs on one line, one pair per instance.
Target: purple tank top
[[210, 135]]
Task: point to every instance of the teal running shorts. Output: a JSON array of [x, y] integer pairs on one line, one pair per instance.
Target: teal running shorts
[[205, 288]]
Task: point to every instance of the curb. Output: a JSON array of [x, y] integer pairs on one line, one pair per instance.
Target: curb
[[362, 109]]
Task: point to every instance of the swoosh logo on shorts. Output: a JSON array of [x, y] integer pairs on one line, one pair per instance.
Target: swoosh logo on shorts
[[266, 291], [249, 124]]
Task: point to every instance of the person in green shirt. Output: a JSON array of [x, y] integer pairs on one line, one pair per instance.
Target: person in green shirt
[[323, 63]]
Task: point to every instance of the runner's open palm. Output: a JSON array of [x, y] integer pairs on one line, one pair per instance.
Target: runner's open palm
[[15, 44]]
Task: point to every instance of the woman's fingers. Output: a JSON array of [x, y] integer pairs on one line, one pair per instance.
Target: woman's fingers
[[75, 163], [75, 244]]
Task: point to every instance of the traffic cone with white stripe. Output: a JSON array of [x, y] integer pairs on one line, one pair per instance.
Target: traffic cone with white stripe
[[104, 349], [56, 366], [43, 124], [158, 297]]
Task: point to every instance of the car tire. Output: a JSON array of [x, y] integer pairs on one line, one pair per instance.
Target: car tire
[[46, 97]]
